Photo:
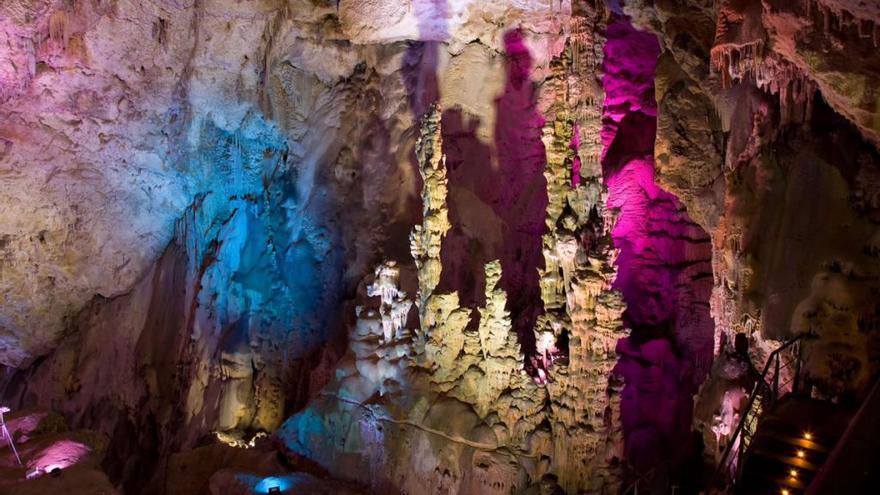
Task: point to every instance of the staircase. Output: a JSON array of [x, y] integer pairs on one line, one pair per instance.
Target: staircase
[[784, 437], [790, 445]]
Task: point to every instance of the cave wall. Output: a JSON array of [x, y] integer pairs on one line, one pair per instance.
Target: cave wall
[[245, 201], [459, 400], [224, 334], [254, 185], [480, 246], [664, 264], [764, 136]]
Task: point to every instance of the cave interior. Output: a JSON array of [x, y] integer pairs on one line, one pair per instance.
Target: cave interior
[[458, 247]]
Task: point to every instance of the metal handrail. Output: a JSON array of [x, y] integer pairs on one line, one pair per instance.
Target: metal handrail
[[634, 485], [766, 402]]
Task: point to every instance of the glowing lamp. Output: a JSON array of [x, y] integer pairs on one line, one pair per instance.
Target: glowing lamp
[[808, 436], [800, 453], [793, 473], [272, 484], [785, 492]]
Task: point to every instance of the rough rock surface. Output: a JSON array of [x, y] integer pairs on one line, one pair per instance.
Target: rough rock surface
[[54, 459], [437, 241], [121, 98], [453, 400], [664, 267], [768, 136], [216, 306]]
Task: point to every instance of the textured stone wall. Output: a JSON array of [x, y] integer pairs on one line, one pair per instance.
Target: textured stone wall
[[663, 270], [203, 282], [765, 134], [469, 405], [457, 246]]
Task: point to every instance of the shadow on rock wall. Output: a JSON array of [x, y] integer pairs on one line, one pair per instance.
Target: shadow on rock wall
[[498, 201], [497, 194]]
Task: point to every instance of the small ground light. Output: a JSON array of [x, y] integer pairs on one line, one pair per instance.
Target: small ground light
[[275, 489], [808, 436], [800, 453], [785, 492], [793, 473]]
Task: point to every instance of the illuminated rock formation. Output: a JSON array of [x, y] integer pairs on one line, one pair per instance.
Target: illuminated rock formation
[[389, 406], [426, 246], [386, 411], [752, 99], [481, 365], [663, 269], [426, 238], [577, 335]]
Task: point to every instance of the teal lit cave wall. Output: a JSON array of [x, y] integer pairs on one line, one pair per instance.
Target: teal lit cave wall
[[280, 256], [265, 262]]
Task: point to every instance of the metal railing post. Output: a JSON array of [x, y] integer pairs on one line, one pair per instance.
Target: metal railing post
[[775, 393], [795, 387]]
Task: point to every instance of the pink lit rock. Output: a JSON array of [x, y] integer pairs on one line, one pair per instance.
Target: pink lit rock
[[59, 455], [662, 266]]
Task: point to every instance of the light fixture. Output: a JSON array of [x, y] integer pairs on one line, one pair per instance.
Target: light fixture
[[272, 485], [785, 491], [808, 436], [800, 453], [793, 473]]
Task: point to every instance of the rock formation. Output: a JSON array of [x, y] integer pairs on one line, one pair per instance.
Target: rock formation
[[753, 97], [418, 246]]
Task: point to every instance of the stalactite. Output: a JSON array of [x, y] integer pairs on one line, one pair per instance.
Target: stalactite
[[794, 88], [575, 49], [736, 63], [865, 28], [28, 47], [836, 20], [59, 27], [826, 20], [270, 32], [394, 303], [160, 31]]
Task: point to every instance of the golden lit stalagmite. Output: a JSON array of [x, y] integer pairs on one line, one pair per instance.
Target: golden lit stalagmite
[[581, 309]]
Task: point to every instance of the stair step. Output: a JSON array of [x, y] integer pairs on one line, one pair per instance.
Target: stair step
[[792, 483], [771, 451], [798, 483], [801, 442], [812, 450], [794, 461], [771, 486], [786, 427], [770, 472], [768, 486]]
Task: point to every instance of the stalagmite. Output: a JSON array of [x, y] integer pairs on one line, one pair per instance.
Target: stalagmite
[[578, 333], [426, 238]]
